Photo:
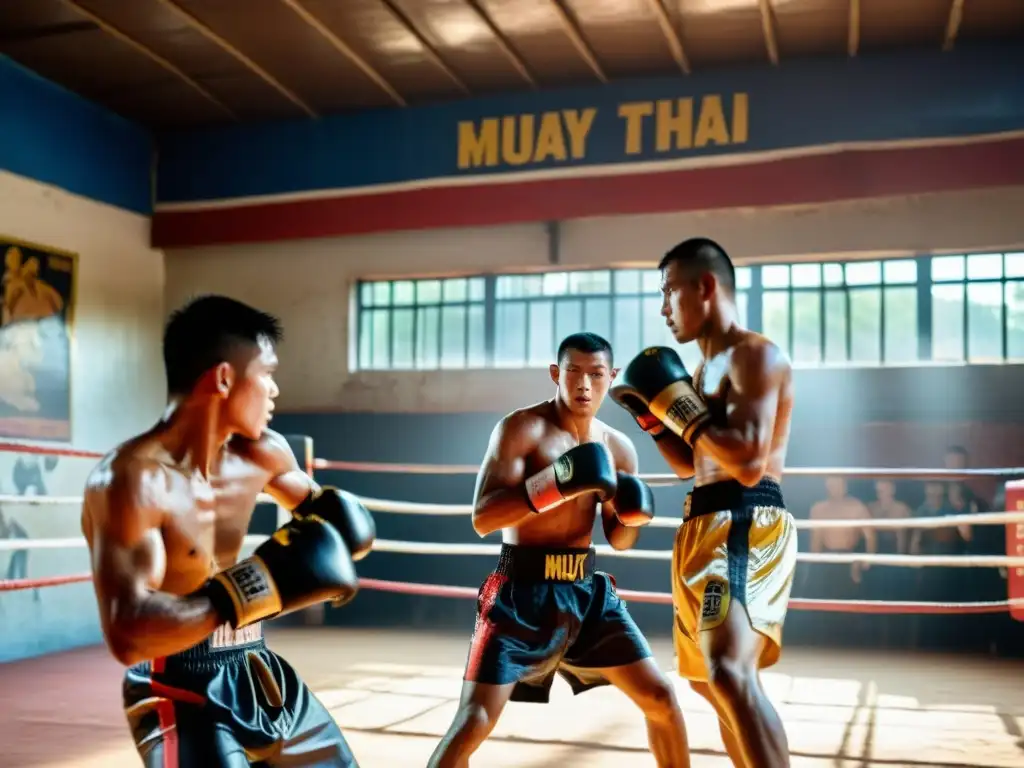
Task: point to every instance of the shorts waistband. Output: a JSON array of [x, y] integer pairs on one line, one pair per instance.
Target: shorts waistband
[[732, 495], [564, 564], [224, 646]]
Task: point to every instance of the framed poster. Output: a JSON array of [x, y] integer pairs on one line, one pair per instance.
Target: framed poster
[[37, 302]]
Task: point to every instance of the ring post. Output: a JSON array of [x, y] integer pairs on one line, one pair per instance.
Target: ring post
[[1015, 547], [302, 447]]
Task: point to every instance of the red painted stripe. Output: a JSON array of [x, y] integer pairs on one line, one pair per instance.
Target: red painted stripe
[[484, 626], [177, 694], [854, 174], [169, 729]]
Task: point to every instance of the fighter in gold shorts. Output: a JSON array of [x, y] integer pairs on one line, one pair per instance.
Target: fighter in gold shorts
[[735, 552]]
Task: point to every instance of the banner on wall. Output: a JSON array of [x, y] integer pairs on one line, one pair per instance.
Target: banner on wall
[[1015, 545], [37, 297]]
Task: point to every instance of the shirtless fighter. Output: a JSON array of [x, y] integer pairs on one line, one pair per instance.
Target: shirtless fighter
[[545, 608], [735, 553], [165, 515]]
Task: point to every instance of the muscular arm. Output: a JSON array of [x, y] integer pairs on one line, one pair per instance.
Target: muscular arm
[[288, 484], [870, 534], [676, 453], [129, 563], [817, 534], [618, 535], [742, 445], [499, 500]]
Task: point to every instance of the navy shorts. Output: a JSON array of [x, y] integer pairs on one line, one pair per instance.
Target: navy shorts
[[227, 702], [544, 611]]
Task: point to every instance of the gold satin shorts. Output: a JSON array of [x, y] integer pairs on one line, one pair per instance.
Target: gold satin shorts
[[744, 554]]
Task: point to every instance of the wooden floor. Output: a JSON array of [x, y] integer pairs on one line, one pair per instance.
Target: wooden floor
[[394, 694]]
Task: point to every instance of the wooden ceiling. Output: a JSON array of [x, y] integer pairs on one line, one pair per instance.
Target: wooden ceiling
[[171, 63]]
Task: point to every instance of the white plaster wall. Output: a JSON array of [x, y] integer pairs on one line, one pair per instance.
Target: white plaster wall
[[309, 283], [117, 390]]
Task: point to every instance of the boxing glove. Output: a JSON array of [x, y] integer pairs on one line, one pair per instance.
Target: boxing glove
[[657, 380], [587, 468], [634, 502], [641, 414], [346, 513], [305, 562]]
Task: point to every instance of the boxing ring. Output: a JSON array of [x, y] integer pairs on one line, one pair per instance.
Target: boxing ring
[[394, 691]]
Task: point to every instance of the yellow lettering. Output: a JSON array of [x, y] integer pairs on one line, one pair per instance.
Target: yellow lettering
[[634, 113], [577, 125], [478, 148], [673, 120], [740, 118], [552, 567], [517, 152], [550, 139], [711, 125]]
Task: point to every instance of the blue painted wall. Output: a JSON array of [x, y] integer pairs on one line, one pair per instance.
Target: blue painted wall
[[50, 135], [971, 91]]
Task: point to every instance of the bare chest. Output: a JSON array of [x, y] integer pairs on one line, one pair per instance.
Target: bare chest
[[206, 524], [571, 523]]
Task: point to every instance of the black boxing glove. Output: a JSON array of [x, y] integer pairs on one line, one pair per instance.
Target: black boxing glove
[[657, 380], [304, 563], [633, 500], [346, 513], [587, 468]]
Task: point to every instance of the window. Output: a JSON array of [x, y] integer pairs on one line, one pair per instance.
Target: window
[[977, 310], [417, 324], [861, 312], [950, 309]]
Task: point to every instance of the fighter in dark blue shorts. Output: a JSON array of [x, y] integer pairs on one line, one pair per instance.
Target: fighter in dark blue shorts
[[546, 609], [165, 516]]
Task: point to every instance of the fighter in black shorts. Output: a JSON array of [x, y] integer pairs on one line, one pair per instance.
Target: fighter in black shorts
[[545, 608], [165, 515]]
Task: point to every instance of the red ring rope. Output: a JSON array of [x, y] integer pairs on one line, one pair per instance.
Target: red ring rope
[[658, 598]]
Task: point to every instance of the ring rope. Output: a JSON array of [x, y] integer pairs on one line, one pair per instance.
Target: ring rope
[[446, 548], [419, 508], [893, 473], [656, 598]]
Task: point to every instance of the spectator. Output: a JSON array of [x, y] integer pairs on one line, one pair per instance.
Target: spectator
[[887, 582], [838, 581]]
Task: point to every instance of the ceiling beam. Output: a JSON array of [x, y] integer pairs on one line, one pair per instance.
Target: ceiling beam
[[575, 36], [343, 48], [153, 56], [853, 29], [668, 29], [771, 44], [514, 58], [251, 65], [956, 17], [428, 49]]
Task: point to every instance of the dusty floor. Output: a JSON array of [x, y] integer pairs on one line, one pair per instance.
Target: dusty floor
[[394, 694]]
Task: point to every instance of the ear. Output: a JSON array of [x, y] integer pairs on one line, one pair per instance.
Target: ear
[[553, 371], [614, 373], [708, 285], [223, 378]]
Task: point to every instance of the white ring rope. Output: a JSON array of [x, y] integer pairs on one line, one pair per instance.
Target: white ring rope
[[418, 508], [443, 548]]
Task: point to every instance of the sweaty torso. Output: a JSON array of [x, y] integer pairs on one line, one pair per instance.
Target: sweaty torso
[[839, 539], [571, 524], [198, 524], [712, 380]]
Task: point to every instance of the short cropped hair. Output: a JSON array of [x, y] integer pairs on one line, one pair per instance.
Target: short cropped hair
[[957, 449], [699, 255], [206, 332], [586, 342]]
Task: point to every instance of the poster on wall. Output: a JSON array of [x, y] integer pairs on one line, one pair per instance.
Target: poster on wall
[[37, 292]]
